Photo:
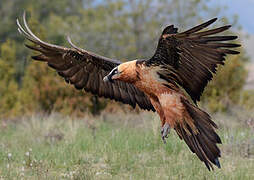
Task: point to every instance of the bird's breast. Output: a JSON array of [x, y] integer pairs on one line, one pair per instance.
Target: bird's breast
[[150, 82]]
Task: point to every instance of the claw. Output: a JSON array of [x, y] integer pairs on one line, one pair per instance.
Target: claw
[[165, 130]]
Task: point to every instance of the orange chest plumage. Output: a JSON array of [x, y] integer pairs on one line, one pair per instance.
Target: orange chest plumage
[[150, 82]]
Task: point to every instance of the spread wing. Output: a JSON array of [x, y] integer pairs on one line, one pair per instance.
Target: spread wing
[[190, 58], [85, 70]]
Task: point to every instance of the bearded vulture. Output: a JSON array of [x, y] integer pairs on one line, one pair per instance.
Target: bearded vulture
[[183, 62]]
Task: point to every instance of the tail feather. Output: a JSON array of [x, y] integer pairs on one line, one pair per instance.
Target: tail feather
[[202, 141]]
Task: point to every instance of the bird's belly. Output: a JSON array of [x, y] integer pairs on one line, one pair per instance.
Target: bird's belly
[[165, 97], [166, 101], [171, 103]]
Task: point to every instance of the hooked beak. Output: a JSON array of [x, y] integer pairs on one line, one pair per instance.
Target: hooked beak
[[111, 76], [108, 78], [105, 79]]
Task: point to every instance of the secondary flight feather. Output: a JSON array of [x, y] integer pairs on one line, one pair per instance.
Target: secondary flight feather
[[188, 59]]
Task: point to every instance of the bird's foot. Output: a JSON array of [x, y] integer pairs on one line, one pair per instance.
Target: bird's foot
[[165, 130]]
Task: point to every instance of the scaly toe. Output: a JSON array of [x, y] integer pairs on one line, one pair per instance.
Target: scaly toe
[[165, 130]]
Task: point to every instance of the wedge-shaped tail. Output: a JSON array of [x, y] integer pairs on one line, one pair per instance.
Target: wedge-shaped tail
[[203, 140]]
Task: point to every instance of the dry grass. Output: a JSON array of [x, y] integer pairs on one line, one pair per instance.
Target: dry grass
[[117, 146]]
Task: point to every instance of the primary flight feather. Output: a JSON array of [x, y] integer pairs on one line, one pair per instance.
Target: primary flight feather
[[187, 59]]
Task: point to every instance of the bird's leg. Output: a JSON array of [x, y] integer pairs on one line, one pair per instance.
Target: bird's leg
[[165, 130], [165, 127]]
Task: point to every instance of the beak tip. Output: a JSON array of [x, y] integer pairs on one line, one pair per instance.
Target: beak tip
[[105, 79]]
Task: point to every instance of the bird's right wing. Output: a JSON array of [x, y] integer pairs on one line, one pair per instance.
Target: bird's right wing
[[85, 70], [190, 58]]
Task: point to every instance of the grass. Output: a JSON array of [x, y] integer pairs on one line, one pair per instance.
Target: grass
[[119, 146]]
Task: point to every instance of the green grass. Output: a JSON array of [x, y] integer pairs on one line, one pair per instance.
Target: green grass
[[116, 146]]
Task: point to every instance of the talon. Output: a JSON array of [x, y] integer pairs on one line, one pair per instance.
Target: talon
[[165, 130]]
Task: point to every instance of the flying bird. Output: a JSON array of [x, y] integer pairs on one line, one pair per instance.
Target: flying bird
[[170, 82]]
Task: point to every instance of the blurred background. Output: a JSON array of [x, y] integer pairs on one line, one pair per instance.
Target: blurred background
[[118, 29], [35, 100]]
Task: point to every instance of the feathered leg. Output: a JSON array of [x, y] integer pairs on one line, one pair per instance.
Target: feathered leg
[[165, 127]]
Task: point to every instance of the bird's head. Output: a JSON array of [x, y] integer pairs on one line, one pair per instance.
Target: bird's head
[[124, 72], [113, 75]]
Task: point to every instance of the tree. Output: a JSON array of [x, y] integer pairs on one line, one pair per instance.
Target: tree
[[227, 86], [8, 85], [120, 29]]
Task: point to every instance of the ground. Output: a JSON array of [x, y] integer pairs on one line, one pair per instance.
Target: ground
[[119, 146]]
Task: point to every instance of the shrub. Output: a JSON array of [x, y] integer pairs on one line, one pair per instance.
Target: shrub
[[226, 87]]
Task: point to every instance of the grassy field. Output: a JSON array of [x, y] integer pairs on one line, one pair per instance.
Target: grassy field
[[119, 146]]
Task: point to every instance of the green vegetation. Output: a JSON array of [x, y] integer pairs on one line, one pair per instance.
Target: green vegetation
[[8, 85], [114, 28], [107, 147], [53, 146], [226, 89]]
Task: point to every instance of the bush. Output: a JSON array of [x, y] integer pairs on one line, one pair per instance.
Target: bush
[[247, 100], [43, 90], [226, 87], [8, 85]]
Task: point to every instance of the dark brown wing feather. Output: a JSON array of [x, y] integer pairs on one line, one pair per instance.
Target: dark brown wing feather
[[190, 58], [203, 142], [85, 70]]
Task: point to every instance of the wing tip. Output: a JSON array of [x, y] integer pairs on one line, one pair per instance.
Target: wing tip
[[234, 37], [73, 45], [28, 46], [200, 26], [214, 19], [70, 42], [211, 21], [217, 163], [235, 52], [228, 26], [36, 58]]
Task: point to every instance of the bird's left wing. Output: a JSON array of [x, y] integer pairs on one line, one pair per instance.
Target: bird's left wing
[[85, 70], [190, 58]]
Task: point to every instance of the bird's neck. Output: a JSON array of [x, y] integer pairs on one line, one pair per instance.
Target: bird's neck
[[128, 71]]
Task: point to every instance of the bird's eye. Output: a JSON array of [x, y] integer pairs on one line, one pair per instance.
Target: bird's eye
[[115, 71]]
